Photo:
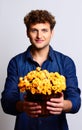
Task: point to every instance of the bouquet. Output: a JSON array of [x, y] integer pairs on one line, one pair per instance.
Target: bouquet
[[41, 85]]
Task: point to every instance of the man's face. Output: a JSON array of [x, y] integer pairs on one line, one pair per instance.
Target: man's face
[[40, 35]]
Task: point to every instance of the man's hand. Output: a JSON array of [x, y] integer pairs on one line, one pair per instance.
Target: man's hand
[[57, 105], [32, 109]]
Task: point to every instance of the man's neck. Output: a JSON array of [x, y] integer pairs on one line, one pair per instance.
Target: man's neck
[[40, 55]]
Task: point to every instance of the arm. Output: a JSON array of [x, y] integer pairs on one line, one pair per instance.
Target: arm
[[30, 108], [12, 100], [72, 92], [11, 94], [57, 105], [70, 101]]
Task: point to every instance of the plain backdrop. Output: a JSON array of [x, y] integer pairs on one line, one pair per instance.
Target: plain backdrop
[[67, 39]]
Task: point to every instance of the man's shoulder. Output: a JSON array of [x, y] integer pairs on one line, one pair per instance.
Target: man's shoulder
[[18, 58], [59, 54], [22, 55], [56, 52], [62, 56]]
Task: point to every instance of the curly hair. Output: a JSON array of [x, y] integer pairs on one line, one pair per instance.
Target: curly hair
[[39, 16]]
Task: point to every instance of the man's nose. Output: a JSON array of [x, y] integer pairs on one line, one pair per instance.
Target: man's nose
[[39, 34]]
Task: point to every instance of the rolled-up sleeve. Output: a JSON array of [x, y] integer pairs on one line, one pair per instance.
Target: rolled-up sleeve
[[72, 92], [11, 94]]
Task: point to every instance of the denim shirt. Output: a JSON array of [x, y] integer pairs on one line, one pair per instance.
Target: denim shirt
[[23, 63]]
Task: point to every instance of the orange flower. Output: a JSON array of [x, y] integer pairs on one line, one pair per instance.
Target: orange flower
[[42, 82]]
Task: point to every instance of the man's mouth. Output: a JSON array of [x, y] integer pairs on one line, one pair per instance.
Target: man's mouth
[[39, 40]]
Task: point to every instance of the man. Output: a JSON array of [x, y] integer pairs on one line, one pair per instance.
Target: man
[[40, 28]]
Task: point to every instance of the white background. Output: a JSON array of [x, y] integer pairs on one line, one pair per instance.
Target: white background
[[67, 39]]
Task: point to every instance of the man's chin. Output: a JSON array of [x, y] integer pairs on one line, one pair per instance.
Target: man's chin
[[40, 47]]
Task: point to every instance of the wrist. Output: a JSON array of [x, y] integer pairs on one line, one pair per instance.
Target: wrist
[[19, 106], [67, 106]]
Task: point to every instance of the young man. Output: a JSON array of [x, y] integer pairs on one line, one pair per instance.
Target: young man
[[40, 27]]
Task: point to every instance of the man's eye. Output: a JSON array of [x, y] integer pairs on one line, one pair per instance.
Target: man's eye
[[45, 30], [33, 30]]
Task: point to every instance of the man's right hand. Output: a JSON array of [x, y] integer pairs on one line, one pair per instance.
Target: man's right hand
[[31, 108]]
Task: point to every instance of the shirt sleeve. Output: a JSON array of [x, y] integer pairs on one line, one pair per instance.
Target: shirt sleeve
[[11, 94], [72, 91]]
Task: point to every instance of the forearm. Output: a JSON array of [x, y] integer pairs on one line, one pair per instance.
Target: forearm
[[19, 106], [30, 108], [9, 107], [67, 106]]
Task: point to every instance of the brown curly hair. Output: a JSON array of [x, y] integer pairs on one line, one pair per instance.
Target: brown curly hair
[[39, 16]]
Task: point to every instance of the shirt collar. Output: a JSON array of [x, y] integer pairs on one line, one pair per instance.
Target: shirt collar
[[50, 55]]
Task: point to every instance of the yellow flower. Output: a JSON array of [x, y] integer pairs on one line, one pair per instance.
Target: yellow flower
[[42, 82]]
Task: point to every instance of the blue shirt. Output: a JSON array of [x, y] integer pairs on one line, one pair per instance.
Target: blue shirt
[[23, 63]]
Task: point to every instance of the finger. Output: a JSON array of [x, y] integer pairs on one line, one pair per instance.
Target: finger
[[55, 110], [55, 113], [51, 105]]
